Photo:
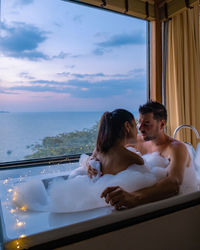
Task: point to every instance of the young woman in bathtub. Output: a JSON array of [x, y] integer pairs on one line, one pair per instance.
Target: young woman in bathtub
[[116, 130], [119, 166]]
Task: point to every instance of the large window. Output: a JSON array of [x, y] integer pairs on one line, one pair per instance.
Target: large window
[[62, 66]]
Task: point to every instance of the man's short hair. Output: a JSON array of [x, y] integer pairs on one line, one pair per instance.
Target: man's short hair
[[159, 111]]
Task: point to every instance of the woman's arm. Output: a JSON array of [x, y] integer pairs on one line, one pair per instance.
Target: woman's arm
[[91, 171]]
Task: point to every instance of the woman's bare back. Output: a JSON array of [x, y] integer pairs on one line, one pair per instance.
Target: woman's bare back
[[118, 159]]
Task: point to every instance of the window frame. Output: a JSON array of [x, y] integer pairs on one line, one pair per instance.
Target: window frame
[[75, 158]]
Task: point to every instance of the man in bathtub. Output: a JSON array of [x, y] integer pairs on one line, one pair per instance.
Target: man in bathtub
[[152, 138]]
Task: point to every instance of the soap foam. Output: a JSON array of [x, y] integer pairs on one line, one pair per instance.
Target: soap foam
[[79, 192]]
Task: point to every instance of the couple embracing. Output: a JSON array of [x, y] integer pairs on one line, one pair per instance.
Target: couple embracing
[[133, 169], [118, 130]]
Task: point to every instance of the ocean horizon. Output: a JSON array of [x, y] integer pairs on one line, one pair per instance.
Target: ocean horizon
[[21, 130]]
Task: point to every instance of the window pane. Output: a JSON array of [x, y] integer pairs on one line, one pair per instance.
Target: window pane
[[62, 66]]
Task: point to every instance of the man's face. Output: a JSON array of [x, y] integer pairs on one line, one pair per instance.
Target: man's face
[[149, 127]]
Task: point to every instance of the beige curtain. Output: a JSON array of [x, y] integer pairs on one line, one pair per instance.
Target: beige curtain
[[183, 74]]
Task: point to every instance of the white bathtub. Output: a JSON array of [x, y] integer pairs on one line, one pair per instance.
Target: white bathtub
[[173, 223]]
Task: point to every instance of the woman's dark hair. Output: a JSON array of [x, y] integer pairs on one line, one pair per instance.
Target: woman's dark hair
[[111, 128]]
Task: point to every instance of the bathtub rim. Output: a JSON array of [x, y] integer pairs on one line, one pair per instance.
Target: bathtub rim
[[40, 162], [77, 232]]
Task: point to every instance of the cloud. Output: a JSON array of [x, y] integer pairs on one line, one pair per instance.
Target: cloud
[[122, 40], [26, 75], [23, 2], [57, 24], [39, 89], [100, 51], [86, 86], [135, 38], [135, 73], [86, 89], [5, 91], [61, 55], [101, 34], [138, 70], [70, 66], [78, 18], [77, 56], [47, 82], [80, 76], [106, 88], [21, 41], [30, 55]]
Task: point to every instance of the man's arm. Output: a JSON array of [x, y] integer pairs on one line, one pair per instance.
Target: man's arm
[[179, 160], [165, 188]]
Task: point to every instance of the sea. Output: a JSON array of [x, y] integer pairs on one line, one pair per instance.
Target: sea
[[18, 131]]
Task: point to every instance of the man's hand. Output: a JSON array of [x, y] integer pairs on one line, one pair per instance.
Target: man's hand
[[119, 198]]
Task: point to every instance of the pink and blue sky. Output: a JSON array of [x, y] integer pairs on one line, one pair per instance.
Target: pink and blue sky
[[60, 56]]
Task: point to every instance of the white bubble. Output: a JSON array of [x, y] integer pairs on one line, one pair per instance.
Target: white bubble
[[79, 192]]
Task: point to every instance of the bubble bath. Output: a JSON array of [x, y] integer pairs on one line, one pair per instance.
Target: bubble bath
[[78, 192], [74, 199]]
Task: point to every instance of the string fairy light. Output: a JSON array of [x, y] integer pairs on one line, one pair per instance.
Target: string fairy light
[[24, 208], [12, 211], [5, 181], [22, 236], [20, 223]]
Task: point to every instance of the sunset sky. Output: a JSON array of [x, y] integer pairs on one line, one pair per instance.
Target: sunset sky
[[60, 56]]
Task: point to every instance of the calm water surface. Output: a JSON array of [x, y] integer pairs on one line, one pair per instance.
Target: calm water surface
[[18, 131]]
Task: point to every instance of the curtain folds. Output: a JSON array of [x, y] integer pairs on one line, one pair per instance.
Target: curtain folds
[[183, 74]]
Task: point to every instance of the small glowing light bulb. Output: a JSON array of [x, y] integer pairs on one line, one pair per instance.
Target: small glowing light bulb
[[24, 208], [22, 236], [14, 196], [5, 181], [12, 211], [20, 223], [10, 190]]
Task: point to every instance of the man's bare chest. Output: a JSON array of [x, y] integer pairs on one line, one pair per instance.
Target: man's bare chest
[[150, 148]]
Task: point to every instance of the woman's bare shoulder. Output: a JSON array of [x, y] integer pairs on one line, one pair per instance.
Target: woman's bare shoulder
[[134, 157]]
